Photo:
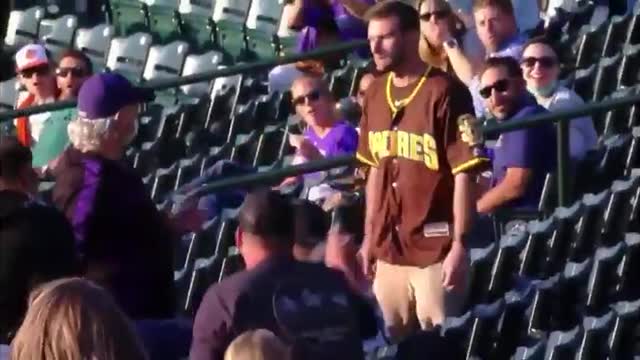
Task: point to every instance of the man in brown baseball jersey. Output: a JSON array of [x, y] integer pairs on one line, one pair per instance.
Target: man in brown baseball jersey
[[418, 194]]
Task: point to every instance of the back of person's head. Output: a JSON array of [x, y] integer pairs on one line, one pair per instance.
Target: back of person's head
[[405, 14], [311, 225], [503, 5], [257, 344], [16, 172], [73, 319], [267, 216]]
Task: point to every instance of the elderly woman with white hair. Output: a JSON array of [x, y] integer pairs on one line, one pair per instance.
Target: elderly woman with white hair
[[124, 241]]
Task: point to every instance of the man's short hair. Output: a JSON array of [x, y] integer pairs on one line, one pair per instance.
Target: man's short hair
[[407, 15], [311, 221], [78, 55], [13, 157], [507, 62], [267, 214], [504, 5]]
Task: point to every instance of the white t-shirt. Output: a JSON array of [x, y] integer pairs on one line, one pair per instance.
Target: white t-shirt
[[582, 133]]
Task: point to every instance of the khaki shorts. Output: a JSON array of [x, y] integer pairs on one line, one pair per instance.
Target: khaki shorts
[[410, 296]]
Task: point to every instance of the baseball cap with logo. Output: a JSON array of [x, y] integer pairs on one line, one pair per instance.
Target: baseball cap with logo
[[30, 56], [103, 95]]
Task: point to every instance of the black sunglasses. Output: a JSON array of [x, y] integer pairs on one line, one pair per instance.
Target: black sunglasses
[[74, 71], [546, 62], [500, 86], [312, 96], [437, 15], [40, 70]]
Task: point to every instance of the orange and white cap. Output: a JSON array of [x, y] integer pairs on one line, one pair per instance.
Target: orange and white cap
[[31, 55]]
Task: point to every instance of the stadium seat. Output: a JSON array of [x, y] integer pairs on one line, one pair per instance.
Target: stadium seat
[[618, 211], [629, 66], [539, 313], [57, 34], [604, 82], [166, 61], [595, 331], [615, 35], [621, 120], [224, 97], [481, 261], [631, 265], [571, 296], [95, 44], [583, 82], [188, 169], [164, 181], [164, 20], [22, 27], [128, 17], [225, 237], [229, 17], [633, 29], [534, 256], [198, 63], [231, 264], [533, 351], [244, 149], [262, 26], [590, 40], [604, 278], [512, 327], [623, 339], [612, 164], [563, 344], [206, 272], [197, 24], [270, 146], [473, 332], [8, 94], [128, 56]]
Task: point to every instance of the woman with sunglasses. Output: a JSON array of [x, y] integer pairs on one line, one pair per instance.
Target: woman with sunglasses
[[445, 42], [541, 68]]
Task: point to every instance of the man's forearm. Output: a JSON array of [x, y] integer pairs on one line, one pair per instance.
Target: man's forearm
[[495, 198], [462, 206], [369, 196], [461, 64]]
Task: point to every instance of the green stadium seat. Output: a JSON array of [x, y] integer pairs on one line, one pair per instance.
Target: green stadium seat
[[198, 25], [590, 40], [198, 63], [164, 20], [165, 62], [224, 97], [95, 44], [128, 56], [262, 26], [229, 17], [23, 26], [57, 34], [128, 17], [604, 82]]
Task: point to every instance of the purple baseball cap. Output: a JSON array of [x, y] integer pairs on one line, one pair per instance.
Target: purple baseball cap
[[103, 95]]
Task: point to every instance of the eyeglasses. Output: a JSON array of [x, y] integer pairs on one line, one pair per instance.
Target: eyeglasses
[[499, 86], [312, 96], [437, 15], [40, 70], [546, 62], [74, 71]]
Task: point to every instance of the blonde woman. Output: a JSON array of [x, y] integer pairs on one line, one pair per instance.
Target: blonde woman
[[73, 319], [258, 344]]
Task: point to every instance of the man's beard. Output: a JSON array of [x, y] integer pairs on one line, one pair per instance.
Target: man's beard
[[396, 60]]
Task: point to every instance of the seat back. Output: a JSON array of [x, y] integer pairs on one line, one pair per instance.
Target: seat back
[[22, 27], [166, 61], [57, 34], [128, 56], [264, 16], [231, 11], [195, 64], [8, 94], [95, 44]]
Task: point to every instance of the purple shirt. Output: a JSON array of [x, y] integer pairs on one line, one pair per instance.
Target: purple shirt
[[341, 139], [532, 148]]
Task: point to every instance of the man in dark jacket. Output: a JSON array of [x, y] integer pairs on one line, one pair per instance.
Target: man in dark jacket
[[36, 241], [305, 304], [125, 242]]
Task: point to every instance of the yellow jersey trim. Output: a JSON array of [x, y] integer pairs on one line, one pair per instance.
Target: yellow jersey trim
[[468, 165]]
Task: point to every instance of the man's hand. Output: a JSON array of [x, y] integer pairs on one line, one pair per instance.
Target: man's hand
[[367, 260], [454, 267]]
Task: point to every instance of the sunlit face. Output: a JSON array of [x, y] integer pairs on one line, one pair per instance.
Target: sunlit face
[[39, 81], [540, 65], [70, 75], [500, 91], [435, 23], [312, 102], [386, 43], [494, 27]]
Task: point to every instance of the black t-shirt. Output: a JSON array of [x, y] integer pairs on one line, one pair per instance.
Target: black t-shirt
[[36, 245]]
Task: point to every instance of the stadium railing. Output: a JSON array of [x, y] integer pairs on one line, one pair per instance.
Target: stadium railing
[[562, 119]]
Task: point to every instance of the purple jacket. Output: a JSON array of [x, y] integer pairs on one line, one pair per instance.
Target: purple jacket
[[125, 243]]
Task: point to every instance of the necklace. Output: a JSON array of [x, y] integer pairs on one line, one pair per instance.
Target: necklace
[[396, 105]]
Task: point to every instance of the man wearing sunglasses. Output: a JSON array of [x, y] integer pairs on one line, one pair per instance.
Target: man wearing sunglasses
[[36, 75], [418, 201], [522, 158], [74, 67]]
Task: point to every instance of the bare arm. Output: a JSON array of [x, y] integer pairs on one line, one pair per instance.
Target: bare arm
[[464, 67], [511, 187], [356, 8], [462, 206], [369, 201]]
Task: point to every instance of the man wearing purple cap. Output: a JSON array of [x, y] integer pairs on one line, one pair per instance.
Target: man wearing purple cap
[[125, 243]]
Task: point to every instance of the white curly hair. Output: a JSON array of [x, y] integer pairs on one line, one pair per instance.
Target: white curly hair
[[88, 134]]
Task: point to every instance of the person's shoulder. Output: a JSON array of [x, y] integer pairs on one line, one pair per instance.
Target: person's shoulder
[[564, 97], [445, 83]]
